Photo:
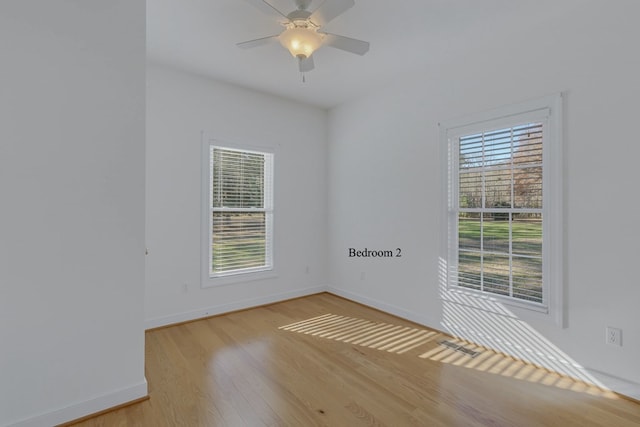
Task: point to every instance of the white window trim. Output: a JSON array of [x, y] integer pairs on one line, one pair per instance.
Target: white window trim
[[248, 275], [550, 108]]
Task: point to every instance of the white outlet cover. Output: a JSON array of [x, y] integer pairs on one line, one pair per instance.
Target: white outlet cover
[[614, 336]]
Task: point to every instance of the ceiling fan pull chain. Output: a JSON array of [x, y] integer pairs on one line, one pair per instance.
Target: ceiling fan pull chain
[[300, 58]]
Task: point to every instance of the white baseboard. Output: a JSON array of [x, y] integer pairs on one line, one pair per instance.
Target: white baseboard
[[158, 322], [382, 306], [87, 407], [616, 384]]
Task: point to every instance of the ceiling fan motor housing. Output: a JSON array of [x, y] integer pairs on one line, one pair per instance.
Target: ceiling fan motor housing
[[303, 4], [299, 15]]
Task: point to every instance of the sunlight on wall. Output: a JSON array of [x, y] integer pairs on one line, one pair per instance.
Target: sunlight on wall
[[486, 321]]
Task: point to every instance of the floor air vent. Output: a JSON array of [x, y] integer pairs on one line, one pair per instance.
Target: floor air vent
[[460, 348]]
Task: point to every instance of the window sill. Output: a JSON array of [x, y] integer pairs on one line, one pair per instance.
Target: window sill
[[212, 282]]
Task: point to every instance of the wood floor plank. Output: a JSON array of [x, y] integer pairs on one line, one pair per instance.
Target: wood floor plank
[[325, 361]]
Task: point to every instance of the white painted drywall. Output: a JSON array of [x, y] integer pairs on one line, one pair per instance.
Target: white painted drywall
[[384, 183], [179, 107], [72, 101]]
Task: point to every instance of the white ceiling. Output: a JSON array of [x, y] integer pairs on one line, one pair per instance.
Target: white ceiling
[[406, 37]]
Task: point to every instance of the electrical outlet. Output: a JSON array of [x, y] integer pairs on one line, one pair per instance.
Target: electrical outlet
[[185, 288], [362, 275], [614, 336]]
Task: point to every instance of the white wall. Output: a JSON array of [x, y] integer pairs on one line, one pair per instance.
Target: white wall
[[384, 185], [72, 217], [179, 107]]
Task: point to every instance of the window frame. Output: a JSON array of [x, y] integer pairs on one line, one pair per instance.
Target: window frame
[[206, 231], [547, 110]]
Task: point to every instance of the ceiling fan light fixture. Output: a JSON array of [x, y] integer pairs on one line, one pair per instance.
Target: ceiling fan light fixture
[[304, 33], [301, 41]]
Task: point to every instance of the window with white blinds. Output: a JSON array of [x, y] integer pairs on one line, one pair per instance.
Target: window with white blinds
[[240, 211], [500, 216], [503, 202]]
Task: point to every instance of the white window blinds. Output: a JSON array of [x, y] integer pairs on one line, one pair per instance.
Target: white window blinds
[[241, 208], [499, 212]]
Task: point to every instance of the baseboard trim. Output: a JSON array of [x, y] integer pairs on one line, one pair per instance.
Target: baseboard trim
[[159, 322], [625, 388], [86, 408], [104, 411]]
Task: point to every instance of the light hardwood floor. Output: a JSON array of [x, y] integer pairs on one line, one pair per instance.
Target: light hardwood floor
[[325, 361]]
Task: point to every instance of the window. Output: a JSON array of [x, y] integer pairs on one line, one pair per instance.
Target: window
[[239, 211], [503, 204]]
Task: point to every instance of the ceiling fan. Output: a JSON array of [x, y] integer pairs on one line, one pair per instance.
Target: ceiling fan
[[302, 35]]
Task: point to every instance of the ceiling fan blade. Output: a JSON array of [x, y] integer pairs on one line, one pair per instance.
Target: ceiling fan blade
[[257, 42], [329, 10], [306, 64], [348, 44], [266, 7]]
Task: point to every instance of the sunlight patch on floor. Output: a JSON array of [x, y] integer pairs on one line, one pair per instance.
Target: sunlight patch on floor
[[365, 333], [496, 363], [402, 339]]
